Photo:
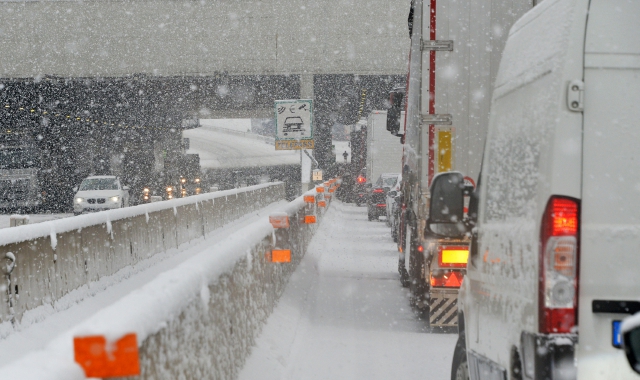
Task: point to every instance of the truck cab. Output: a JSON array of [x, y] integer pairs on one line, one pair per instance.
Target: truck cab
[[455, 49]]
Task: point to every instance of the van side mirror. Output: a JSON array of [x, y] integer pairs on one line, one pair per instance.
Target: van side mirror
[[393, 120], [630, 330], [446, 209], [392, 193]]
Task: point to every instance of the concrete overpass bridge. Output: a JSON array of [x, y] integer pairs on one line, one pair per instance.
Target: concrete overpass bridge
[[155, 63]]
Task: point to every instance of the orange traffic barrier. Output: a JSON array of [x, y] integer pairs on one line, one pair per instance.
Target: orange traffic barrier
[[280, 255], [322, 204], [279, 221], [309, 219], [320, 189], [332, 189], [309, 199], [92, 355], [327, 196]]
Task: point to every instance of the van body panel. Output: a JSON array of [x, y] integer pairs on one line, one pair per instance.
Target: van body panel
[[533, 151], [610, 221]]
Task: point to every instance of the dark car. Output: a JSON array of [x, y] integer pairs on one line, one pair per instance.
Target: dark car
[[377, 195], [360, 194]]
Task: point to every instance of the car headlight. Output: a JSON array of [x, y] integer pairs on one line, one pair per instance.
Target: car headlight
[[79, 200], [114, 199]]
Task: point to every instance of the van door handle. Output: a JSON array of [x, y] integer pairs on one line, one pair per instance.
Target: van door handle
[[616, 307]]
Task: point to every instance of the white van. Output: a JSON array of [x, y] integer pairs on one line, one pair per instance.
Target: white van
[[554, 260]]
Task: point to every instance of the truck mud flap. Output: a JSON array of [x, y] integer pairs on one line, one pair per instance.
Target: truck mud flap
[[443, 308]]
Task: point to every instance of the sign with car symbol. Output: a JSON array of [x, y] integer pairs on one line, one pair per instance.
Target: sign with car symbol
[[294, 124]]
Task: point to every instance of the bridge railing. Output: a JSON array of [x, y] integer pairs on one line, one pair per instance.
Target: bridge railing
[[49, 266]]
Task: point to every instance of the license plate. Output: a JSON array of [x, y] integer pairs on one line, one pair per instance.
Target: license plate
[[615, 332]]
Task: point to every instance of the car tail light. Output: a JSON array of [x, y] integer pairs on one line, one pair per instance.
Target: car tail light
[[381, 205], [559, 258], [440, 278], [453, 256], [361, 179], [378, 190]]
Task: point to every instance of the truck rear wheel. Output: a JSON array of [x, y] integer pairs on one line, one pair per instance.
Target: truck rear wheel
[[404, 276], [418, 284], [414, 266], [405, 279]]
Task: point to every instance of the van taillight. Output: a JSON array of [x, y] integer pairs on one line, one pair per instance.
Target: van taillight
[[559, 254]]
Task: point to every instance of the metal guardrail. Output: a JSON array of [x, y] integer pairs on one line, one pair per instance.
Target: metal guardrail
[[56, 257]]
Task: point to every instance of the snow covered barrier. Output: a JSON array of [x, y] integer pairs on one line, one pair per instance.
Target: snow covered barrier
[[210, 331], [54, 258], [196, 321]]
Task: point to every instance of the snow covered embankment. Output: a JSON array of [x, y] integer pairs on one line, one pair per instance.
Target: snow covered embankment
[[196, 321], [56, 259]]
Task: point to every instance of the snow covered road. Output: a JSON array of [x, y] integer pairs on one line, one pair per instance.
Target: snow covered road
[[344, 314]]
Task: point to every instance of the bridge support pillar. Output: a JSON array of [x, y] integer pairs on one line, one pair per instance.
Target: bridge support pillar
[[306, 92], [306, 86]]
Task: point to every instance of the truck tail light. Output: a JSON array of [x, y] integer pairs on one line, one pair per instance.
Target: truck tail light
[[453, 256], [559, 258], [378, 190], [445, 278]]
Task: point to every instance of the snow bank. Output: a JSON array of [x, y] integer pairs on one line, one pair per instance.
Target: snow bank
[[211, 307]]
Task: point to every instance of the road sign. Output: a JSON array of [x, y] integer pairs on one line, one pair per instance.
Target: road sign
[[294, 145], [294, 124], [469, 181], [317, 175]]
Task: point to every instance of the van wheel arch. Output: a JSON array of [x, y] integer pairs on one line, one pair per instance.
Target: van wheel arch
[[461, 331], [459, 365]]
